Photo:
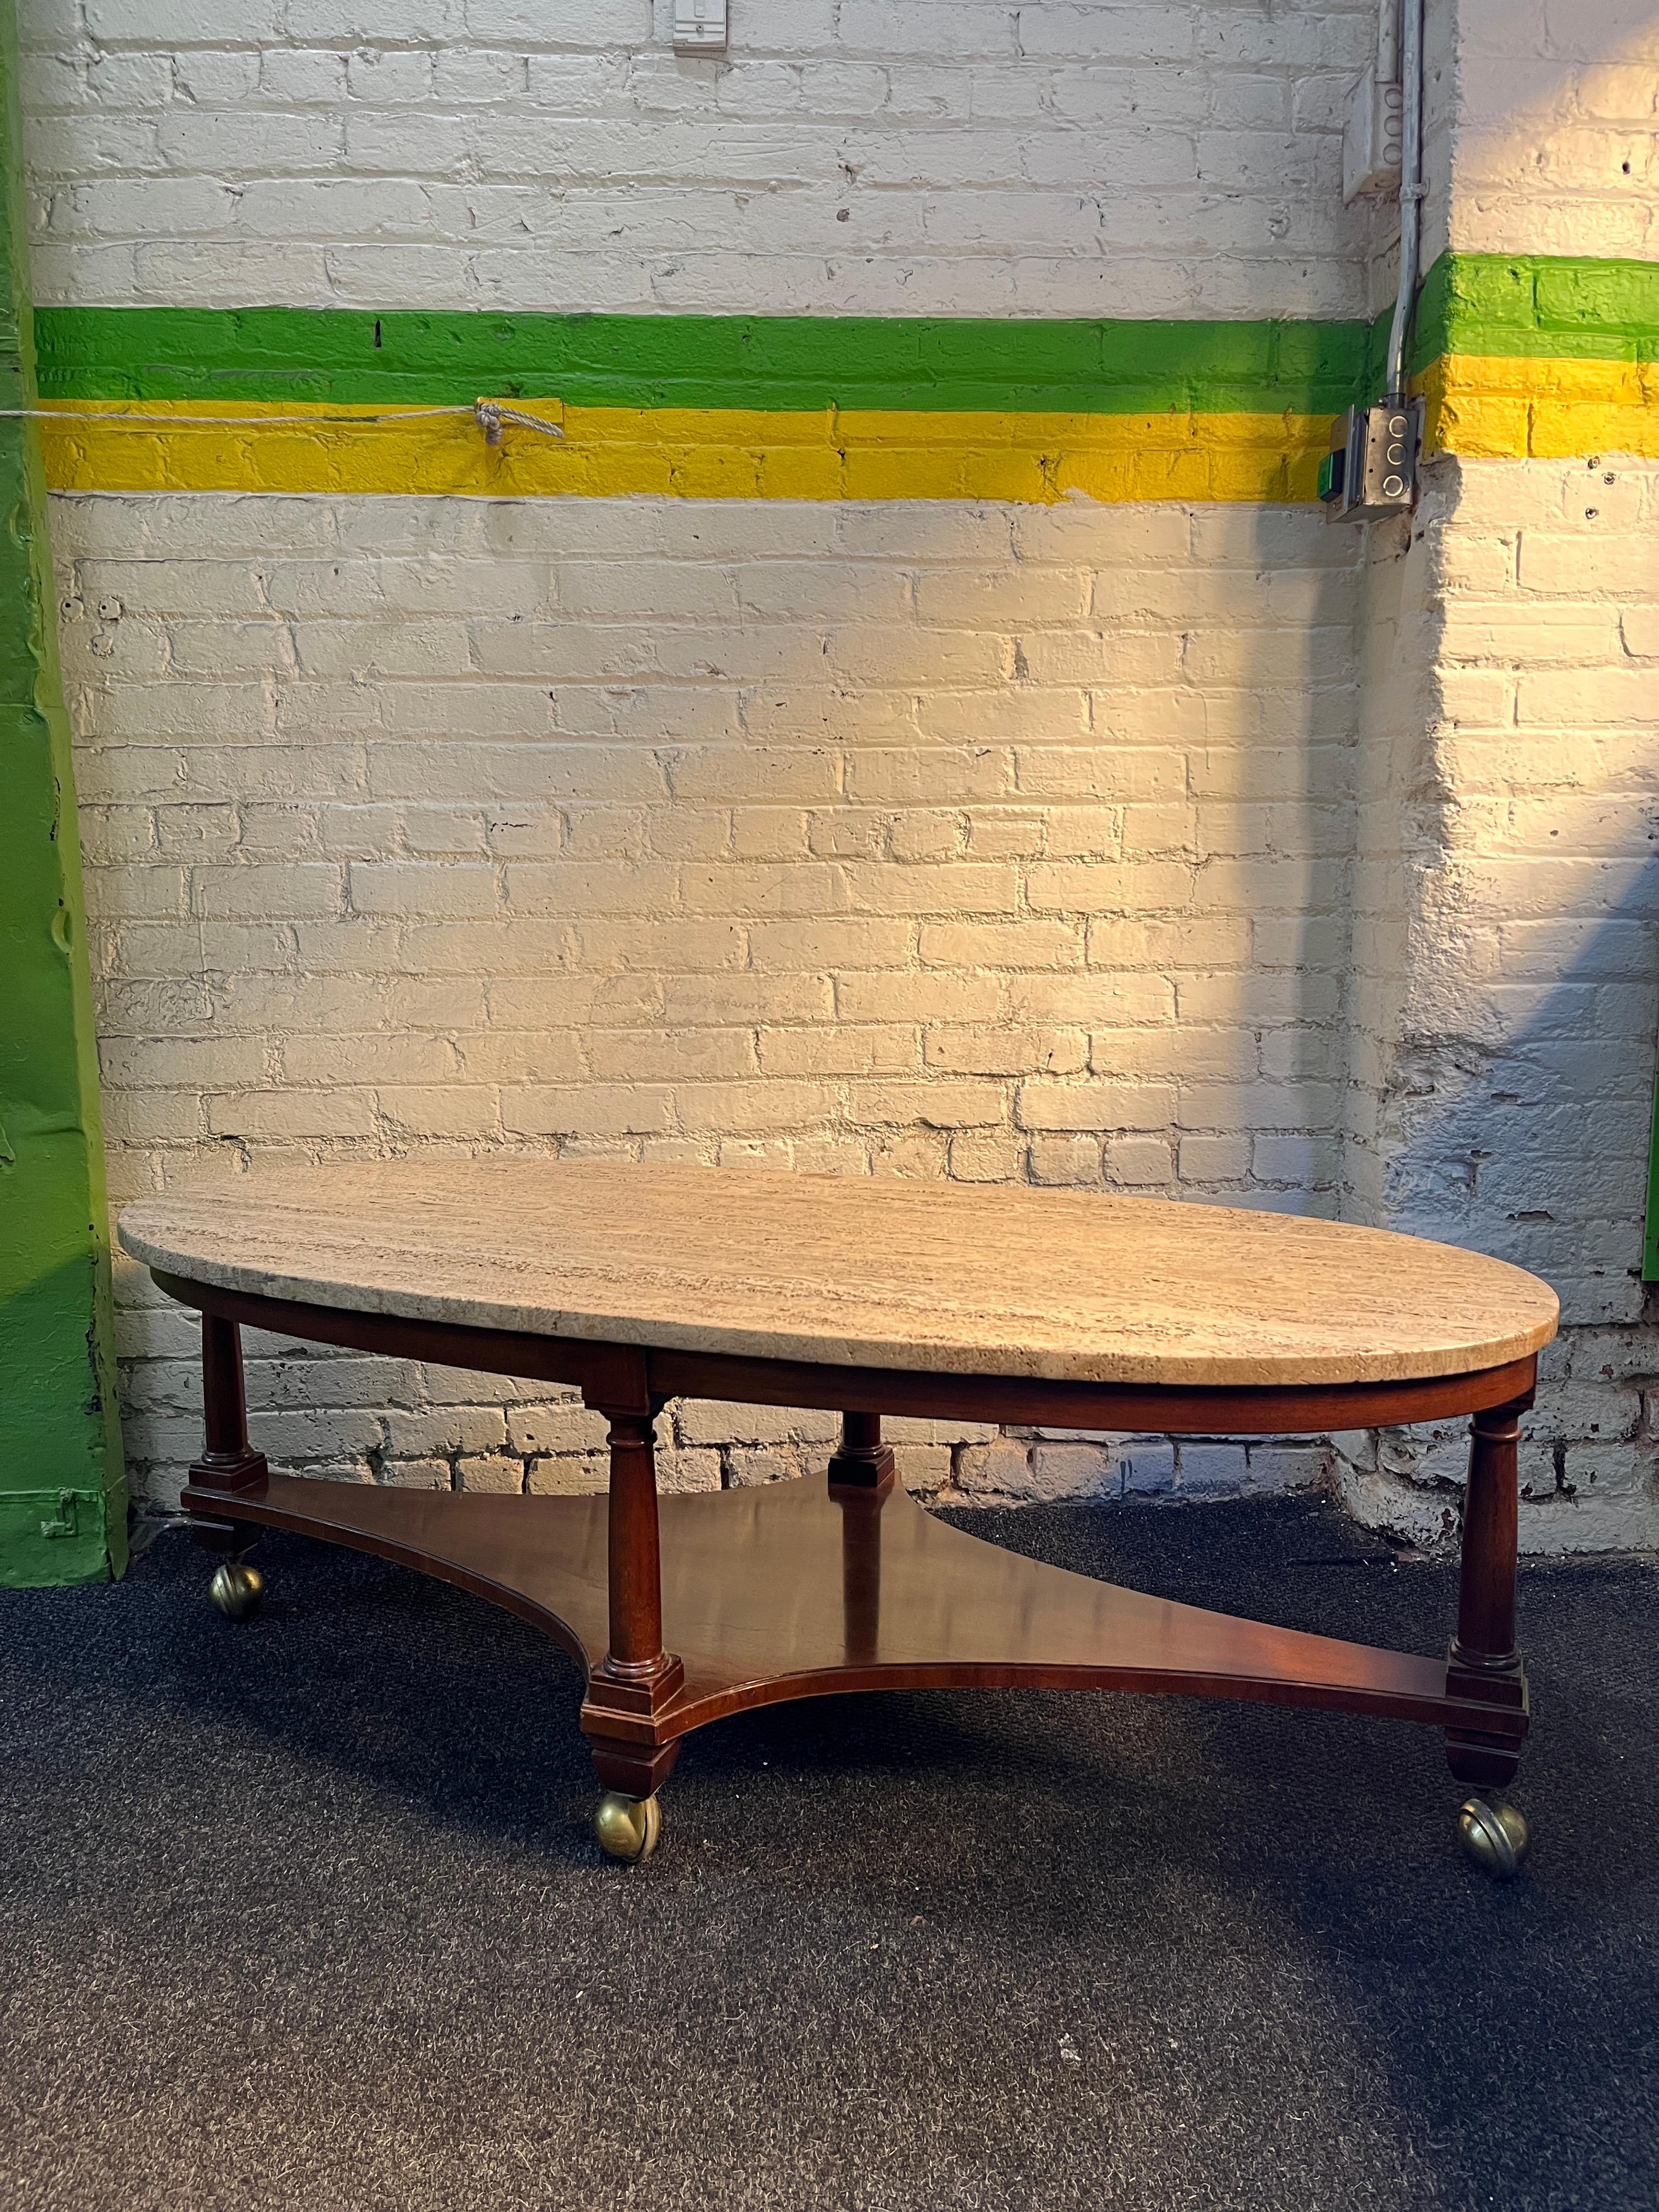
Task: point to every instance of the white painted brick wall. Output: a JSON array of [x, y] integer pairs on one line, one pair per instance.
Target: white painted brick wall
[[1506, 997], [1552, 147], [850, 156], [938, 840], [1504, 1004], [1061, 894]]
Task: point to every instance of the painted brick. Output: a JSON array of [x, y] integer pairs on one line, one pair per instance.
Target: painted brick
[[845, 838], [1027, 208]]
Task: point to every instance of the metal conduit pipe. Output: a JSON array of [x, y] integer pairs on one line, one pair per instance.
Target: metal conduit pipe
[[1411, 190]]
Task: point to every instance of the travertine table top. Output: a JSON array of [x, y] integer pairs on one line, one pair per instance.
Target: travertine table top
[[943, 1278]]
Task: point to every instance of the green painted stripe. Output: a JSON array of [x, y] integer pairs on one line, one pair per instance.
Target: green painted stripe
[[771, 362], [1550, 306], [1472, 303]]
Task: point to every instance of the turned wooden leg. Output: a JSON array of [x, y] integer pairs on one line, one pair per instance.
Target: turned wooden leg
[[636, 1679], [636, 1655], [863, 1461], [229, 1463], [1484, 1662], [228, 1468]]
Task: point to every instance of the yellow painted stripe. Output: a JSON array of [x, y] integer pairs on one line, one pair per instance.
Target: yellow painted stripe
[[1490, 407], [1506, 407], [704, 453]]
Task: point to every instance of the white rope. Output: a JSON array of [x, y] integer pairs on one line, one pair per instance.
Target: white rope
[[70, 411], [490, 414], [487, 414]]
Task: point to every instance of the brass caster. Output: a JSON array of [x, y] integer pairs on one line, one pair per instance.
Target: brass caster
[[236, 1589], [628, 1827], [1494, 1835]]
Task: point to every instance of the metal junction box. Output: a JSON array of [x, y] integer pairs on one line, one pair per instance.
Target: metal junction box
[[1371, 468]]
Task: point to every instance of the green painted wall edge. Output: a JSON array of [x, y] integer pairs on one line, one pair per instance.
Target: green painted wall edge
[[62, 1502], [1470, 304], [1545, 307]]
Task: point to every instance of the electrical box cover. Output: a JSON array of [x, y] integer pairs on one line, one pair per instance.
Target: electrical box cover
[[699, 26], [1371, 138]]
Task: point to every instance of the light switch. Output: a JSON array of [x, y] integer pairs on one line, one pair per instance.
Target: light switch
[[699, 26]]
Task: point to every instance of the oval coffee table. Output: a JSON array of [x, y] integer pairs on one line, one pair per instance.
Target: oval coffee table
[[1074, 1310]]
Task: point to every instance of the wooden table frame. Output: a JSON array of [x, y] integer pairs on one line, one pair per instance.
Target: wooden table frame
[[590, 1570]]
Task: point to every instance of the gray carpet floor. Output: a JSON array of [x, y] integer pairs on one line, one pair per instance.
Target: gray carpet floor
[[306, 1914]]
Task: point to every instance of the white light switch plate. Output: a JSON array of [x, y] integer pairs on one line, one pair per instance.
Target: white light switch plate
[[699, 26]]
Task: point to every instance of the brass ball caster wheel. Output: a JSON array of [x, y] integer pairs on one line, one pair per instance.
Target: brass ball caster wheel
[[236, 1589], [1494, 1835], [628, 1827]]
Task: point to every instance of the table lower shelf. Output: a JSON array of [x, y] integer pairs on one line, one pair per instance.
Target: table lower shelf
[[796, 1589]]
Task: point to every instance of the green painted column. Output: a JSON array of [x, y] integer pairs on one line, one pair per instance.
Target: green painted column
[[63, 1500]]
